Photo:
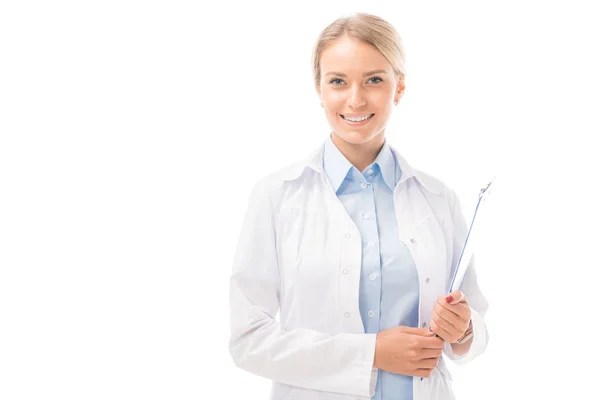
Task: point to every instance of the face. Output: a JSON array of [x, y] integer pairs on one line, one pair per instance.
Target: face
[[349, 89]]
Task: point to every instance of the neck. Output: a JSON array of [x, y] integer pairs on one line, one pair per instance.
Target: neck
[[361, 155]]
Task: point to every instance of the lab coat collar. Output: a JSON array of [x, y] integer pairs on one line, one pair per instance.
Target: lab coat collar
[[315, 162]]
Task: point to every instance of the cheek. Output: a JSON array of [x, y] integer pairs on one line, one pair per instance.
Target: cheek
[[384, 99], [331, 111], [333, 101]]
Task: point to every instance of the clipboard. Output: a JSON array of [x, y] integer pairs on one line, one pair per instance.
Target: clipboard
[[467, 250]]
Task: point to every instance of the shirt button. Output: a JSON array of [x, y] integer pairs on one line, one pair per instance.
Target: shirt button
[[364, 185], [373, 276], [413, 240], [347, 315], [371, 243], [368, 216], [347, 235], [344, 271], [426, 280], [371, 313], [370, 171]]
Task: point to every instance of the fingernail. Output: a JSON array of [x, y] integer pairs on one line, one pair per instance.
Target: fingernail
[[449, 299]]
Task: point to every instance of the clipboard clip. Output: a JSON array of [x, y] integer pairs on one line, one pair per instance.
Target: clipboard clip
[[484, 192]]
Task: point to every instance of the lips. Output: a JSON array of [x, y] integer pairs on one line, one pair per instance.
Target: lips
[[358, 124], [370, 116]]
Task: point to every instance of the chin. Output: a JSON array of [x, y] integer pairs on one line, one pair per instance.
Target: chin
[[355, 137]]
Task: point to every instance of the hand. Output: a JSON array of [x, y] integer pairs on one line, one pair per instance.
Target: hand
[[451, 316], [408, 351]]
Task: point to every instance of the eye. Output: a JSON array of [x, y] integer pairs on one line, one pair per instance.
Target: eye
[[337, 79]]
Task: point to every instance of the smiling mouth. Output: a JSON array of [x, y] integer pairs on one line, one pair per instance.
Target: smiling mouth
[[356, 121]]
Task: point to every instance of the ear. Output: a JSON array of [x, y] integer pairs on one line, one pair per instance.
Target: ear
[[399, 90]]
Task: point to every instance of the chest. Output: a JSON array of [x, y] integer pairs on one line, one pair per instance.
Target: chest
[[320, 246]]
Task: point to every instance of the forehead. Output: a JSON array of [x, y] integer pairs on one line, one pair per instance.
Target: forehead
[[350, 55]]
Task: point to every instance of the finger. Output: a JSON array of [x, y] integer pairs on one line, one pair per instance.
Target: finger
[[446, 318], [441, 332], [431, 343], [455, 297], [415, 331], [430, 353], [425, 363], [429, 362], [423, 332], [447, 327], [461, 310]]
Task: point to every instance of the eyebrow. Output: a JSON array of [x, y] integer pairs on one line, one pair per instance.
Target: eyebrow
[[377, 71]]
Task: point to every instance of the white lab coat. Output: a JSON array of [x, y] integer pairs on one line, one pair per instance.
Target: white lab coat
[[294, 287]]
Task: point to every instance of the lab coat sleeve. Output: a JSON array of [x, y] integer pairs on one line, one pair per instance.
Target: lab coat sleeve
[[341, 363], [477, 301]]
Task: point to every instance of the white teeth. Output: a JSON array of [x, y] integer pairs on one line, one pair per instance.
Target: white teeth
[[358, 119]]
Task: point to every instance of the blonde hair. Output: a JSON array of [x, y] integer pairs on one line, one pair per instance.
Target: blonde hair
[[368, 28]]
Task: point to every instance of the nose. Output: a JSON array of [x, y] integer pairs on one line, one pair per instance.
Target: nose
[[356, 100]]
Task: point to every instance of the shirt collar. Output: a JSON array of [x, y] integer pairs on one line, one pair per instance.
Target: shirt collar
[[315, 162], [336, 165]]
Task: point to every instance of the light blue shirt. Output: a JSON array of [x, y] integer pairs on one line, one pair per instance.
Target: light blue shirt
[[389, 286]]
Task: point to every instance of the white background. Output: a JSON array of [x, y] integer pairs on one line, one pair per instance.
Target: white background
[[132, 132]]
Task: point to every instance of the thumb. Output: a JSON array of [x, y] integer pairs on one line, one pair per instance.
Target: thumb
[[423, 332], [455, 297], [415, 331]]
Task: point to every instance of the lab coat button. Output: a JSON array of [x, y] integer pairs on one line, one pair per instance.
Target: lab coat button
[[424, 324], [373, 276], [413, 240], [344, 271], [368, 216], [347, 235], [371, 313], [347, 315], [371, 243], [426, 280]]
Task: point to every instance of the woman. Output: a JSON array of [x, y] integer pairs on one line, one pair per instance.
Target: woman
[[355, 249]]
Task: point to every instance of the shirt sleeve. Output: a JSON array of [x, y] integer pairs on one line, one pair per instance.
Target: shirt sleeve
[[477, 301], [341, 363]]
